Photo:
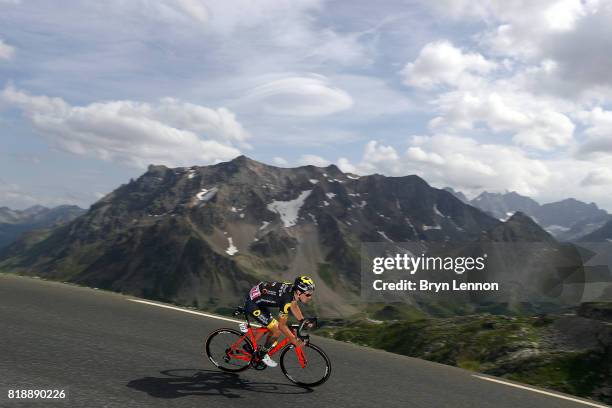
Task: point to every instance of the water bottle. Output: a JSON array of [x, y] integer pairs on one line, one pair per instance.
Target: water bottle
[[243, 327]]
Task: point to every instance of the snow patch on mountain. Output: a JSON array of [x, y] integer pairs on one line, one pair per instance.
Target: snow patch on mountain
[[556, 229], [206, 195], [382, 234], [288, 210], [231, 250], [314, 219]]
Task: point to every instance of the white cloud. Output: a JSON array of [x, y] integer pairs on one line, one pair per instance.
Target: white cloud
[[598, 132], [134, 133], [374, 97], [285, 15], [14, 197], [533, 122], [477, 98], [288, 26], [576, 35], [343, 48], [460, 162], [345, 165], [586, 180], [419, 155], [525, 25], [441, 63], [377, 158], [472, 167], [520, 21], [314, 160], [598, 177], [279, 161], [300, 96], [195, 8], [6, 51], [18, 197]]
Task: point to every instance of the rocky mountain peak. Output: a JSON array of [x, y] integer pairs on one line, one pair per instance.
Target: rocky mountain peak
[[187, 233], [520, 228]]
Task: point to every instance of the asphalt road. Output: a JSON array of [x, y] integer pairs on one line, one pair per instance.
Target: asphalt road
[[107, 351]]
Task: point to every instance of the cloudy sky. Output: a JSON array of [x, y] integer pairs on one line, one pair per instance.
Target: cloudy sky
[[476, 95]]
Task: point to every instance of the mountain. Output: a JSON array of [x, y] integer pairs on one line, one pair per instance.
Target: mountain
[[203, 235], [570, 219], [457, 194], [535, 272], [604, 233], [8, 216], [567, 220], [14, 223], [502, 206]]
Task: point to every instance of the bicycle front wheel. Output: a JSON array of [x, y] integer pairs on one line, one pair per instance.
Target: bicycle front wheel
[[229, 350], [307, 366]]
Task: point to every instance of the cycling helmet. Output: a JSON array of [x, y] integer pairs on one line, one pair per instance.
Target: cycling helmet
[[304, 283]]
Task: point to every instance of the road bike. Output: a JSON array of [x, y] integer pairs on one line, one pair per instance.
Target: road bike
[[234, 351]]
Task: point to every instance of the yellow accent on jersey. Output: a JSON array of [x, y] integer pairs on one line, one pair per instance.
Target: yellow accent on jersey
[[256, 313], [286, 308], [273, 323]]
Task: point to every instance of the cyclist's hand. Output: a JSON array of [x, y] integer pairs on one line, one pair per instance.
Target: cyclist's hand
[[298, 343]]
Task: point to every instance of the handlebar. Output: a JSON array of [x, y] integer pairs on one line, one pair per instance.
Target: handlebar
[[302, 326]]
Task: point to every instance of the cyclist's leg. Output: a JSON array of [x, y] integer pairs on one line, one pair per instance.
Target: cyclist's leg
[[273, 334], [264, 317], [259, 313]]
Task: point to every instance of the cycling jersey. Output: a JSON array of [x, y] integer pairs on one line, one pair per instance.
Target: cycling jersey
[[266, 295]]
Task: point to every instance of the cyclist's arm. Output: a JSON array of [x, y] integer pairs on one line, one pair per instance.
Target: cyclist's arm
[[282, 323], [295, 310]]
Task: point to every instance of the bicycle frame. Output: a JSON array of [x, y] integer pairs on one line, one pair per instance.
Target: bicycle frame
[[254, 335]]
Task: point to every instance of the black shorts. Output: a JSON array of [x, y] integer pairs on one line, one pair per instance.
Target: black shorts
[[260, 313]]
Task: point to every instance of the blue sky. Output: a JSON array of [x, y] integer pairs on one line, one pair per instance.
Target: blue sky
[[488, 95]]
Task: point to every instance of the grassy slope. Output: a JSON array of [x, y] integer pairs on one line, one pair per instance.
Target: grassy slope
[[517, 348]]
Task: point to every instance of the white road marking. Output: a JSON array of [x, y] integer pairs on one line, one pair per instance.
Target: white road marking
[[592, 404], [180, 309]]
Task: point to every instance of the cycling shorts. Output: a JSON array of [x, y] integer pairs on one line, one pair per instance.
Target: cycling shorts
[[261, 314]]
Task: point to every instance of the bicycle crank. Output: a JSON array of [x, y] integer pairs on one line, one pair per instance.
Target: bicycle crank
[[258, 365]]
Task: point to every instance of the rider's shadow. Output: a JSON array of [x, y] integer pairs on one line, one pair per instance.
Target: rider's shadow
[[183, 382]]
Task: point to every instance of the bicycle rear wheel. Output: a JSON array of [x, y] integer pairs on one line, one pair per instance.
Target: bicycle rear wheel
[[307, 367], [229, 350]]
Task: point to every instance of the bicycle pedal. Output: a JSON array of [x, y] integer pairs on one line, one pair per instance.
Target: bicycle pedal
[[258, 365]]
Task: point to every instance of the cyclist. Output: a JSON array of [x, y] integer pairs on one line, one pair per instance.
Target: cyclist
[[285, 296]]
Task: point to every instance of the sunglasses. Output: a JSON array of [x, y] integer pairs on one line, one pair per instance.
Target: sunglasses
[[307, 294]]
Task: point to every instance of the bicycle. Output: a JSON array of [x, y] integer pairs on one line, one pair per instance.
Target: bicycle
[[234, 351]]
